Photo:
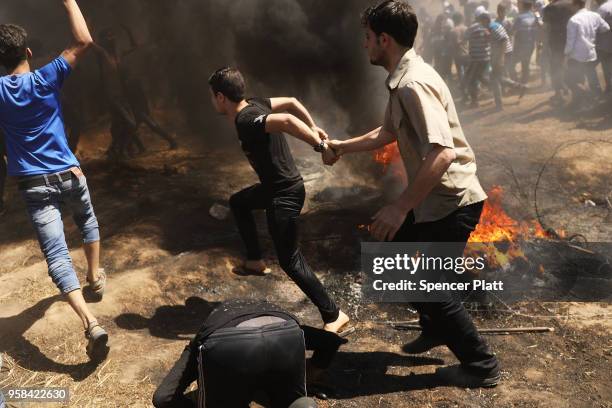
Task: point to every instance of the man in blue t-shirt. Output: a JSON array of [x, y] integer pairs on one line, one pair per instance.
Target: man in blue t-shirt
[[47, 172]]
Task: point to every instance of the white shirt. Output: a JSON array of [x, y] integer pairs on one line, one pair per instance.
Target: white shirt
[[582, 31]]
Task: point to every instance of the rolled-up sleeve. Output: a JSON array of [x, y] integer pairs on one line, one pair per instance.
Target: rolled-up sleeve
[[427, 115]]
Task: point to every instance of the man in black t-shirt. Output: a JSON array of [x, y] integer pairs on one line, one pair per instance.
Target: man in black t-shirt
[[260, 124]]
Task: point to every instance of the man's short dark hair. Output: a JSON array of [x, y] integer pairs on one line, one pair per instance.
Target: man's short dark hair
[[457, 18], [229, 82], [13, 45], [579, 3], [394, 17]]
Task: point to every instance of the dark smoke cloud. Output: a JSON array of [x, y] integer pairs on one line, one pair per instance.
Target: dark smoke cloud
[[311, 49]]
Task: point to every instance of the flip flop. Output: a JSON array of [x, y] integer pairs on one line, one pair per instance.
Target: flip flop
[[347, 332], [244, 271]]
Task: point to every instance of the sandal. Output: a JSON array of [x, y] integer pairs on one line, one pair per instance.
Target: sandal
[[97, 345], [97, 287]]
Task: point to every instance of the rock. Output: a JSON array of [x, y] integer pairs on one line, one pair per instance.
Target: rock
[[219, 212]]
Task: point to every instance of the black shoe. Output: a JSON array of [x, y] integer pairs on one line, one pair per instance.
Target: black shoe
[[457, 376], [422, 344]]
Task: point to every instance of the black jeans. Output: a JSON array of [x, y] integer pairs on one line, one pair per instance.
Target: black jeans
[[237, 362], [282, 211], [474, 75], [556, 69], [448, 320]]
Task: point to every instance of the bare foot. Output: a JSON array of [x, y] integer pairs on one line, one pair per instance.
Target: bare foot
[[253, 268], [340, 322]]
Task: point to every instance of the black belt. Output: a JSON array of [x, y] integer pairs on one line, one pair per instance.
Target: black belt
[[43, 180]]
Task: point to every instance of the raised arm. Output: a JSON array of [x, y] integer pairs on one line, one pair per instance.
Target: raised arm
[[81, 37]]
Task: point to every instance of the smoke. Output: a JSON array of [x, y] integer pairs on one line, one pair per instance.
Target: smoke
[[311, 49]]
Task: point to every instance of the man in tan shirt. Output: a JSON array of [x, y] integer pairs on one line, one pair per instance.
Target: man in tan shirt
[[444, 199]]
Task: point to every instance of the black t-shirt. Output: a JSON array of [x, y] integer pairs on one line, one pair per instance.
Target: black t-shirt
[[556, 15], [269, 154]]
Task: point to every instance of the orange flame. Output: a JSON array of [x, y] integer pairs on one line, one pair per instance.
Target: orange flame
[[496, 225], [387, 155]]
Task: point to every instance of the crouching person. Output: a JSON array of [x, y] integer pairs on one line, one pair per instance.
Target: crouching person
[[246, 348]]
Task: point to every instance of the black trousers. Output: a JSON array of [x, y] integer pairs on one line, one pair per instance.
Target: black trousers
[[235, 363], [474, 75], [556, 69], [282, 212], [448, 320]]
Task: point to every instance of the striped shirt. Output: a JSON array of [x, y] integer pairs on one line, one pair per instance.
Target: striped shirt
[[479, 42], [500, 40]]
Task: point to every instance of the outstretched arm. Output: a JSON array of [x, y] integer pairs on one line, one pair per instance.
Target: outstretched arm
[[81, 37], [373, 140]]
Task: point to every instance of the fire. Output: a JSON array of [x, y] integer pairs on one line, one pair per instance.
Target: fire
[[496, 225], [387, 155]]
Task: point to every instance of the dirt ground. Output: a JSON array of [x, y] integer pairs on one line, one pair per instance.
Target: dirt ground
[[169, 263]]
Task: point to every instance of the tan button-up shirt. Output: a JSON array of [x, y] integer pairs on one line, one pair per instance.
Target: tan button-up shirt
[[421, 113]]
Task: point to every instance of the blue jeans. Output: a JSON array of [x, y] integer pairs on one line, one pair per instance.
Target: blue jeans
[[44, 205]]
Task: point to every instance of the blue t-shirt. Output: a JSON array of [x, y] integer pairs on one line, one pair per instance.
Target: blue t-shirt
[[32, 122]]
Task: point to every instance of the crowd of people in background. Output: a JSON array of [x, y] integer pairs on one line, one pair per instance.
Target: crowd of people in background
[[567, 39]]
